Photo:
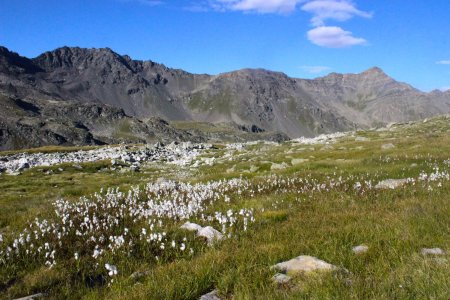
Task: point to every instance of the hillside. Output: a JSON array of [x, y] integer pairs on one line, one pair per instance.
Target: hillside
[[268, 100], [367, 211]]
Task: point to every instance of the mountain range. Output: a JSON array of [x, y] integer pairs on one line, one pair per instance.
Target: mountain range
[[78, 96]]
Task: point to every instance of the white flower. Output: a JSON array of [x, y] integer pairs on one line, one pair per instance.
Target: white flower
[[76, 256], [112, 269], [182, 247]]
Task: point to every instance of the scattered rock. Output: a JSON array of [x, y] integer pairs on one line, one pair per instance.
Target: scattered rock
[[432, 251], [14, 173], [181, 155], [191, 226], [360, 249], [210, 234], [281, 278], [387, 146], [139, 274], [211, 296], [78, 167], [326, 147], [298, 161], [32, 297], [305, 264], [391, 183], [231, 170], [276, 166], [253, 169]]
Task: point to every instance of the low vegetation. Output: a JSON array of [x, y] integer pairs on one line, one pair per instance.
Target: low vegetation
[[95, 231]]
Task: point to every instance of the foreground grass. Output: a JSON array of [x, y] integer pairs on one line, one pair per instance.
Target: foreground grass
[[326, 228], [395, 224]]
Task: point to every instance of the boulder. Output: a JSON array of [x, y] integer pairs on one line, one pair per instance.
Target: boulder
[[211, 296], [391, 184], [278, 166], [303, 264], [360, 249], [387, 146], [32, 297], [210, 234], [297, 161], [281, 278], [191, 226], [432, 251]]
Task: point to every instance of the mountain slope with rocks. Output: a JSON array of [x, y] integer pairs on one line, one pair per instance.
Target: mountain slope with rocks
[[60, 84]]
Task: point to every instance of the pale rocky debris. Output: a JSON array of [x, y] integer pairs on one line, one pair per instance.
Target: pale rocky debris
[[361, 139], [210, 234], [281, 278], [211, 296], [298, 161], [391, 183], [32, 297], [305, 264], [360, 249], [179, 154], [432, 251], [191, 226], [321, 139], [276, 166], [387, 146], [253, 169], [207, 232]]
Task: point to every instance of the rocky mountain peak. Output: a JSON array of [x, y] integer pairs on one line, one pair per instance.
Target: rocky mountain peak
[[375, 71], [70, 57], [12, 63]]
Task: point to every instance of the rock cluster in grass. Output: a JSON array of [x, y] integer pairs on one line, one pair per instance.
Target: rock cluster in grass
[[432, 251], [209, 233], [304, 264], [387, 146], [175, 153], [391, 183], [361, 249], [211, 296]]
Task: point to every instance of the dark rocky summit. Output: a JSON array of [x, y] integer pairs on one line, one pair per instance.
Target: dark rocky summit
[[76, 96]]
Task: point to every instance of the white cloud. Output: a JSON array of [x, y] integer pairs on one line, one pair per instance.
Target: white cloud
[[445, 89], [321, 10], [338, 10], [443, 62], [145, 2], [260, 6], [333, 37], [315, 69]]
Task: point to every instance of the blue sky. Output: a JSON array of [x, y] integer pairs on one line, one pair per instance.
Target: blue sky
[[408, 39]]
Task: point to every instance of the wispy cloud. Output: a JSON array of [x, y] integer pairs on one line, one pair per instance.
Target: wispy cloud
[[315, 69], [259, 6], [338, 10], [145, 2], [443, 62], [333, 37]]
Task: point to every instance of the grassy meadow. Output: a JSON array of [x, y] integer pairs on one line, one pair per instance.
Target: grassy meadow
[[271, 201]]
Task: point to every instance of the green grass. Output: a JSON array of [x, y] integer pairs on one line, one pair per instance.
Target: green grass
[[395, 224]]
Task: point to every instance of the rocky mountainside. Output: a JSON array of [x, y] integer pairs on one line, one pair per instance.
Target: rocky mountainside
[[50, 88]]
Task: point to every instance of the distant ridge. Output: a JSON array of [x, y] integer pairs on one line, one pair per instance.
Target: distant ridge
[[269, 100]]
